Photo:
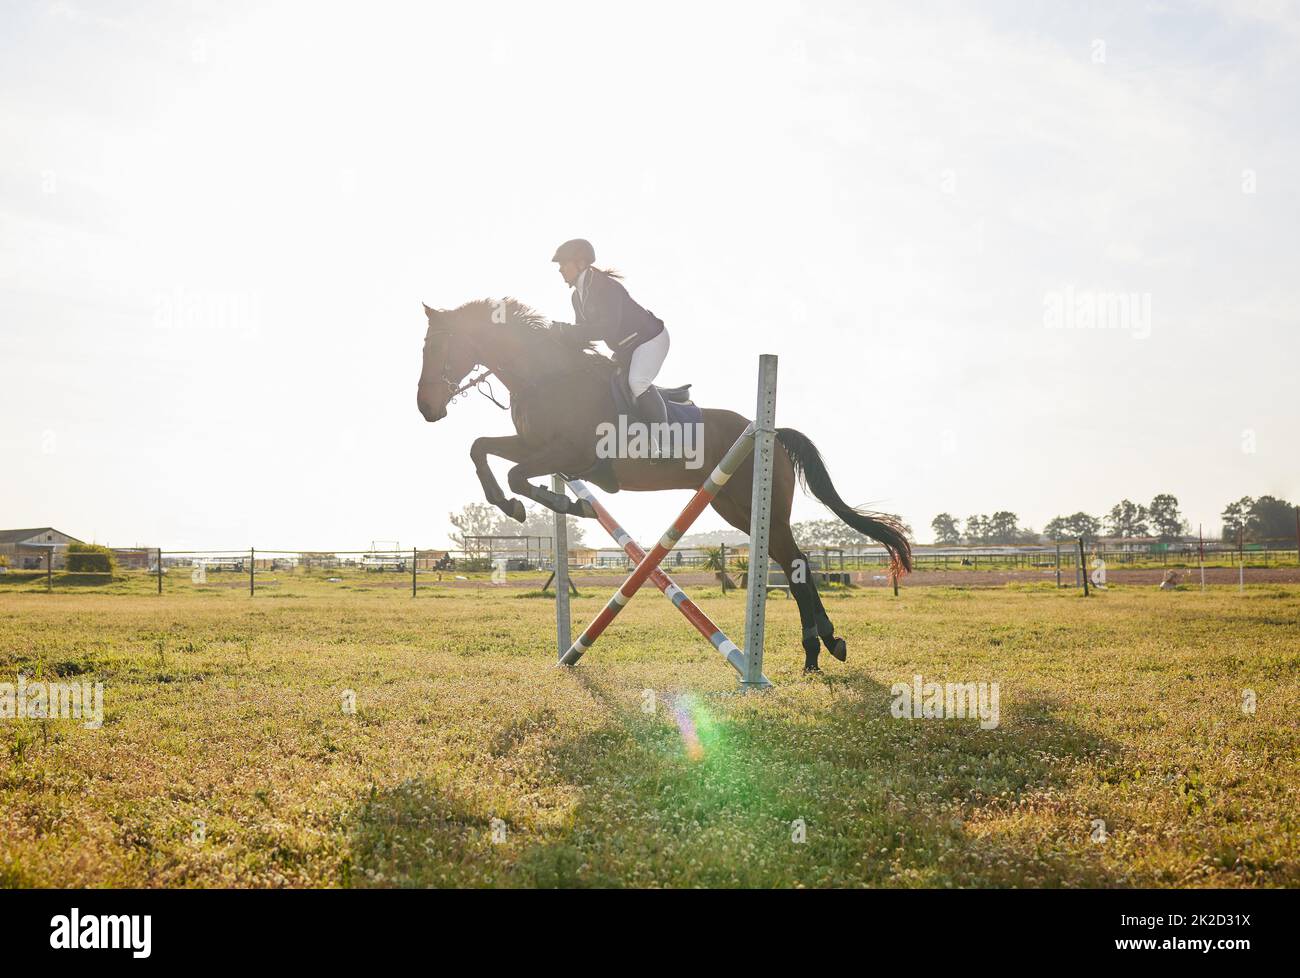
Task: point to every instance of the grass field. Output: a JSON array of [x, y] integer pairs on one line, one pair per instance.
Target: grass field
[[226, 713]]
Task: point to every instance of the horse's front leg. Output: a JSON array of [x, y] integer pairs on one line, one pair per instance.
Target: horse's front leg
[[545, 463], [511, 448]]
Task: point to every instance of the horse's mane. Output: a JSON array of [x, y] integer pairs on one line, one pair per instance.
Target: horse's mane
[[549, 349]]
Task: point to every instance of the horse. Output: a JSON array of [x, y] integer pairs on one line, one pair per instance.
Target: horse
[[561, 391]]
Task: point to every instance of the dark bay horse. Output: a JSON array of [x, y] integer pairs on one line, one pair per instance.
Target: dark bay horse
[[560, 391]]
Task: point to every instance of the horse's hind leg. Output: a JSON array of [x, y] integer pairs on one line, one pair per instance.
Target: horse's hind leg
[[782, 549], [835, 645], [816, 623], [816, 626], [733, 505]]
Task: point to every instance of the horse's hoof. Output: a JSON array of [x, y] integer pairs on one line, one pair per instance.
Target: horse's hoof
[[810, 669], [516, 511], [583, 510], [839, 648]]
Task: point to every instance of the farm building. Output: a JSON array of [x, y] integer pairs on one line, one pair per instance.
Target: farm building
[[26, 549], [135, 558]]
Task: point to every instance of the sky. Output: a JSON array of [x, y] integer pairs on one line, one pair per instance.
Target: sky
[[218, 222]]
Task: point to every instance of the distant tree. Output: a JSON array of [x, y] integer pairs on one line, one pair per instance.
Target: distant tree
[[1078, 525], [540, 522], [474, 520], [825, 533], [90, 558], [947, 529], [834, 533], [1165, 518], [1235, 516], [716, 560], [484, 520], [1083, 525], [902, 525], [977, 529], [1271, 519], [1029, 535], [1127, 519], [1004, 527]]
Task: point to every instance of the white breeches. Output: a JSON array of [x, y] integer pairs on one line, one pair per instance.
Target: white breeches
[[645, 363]]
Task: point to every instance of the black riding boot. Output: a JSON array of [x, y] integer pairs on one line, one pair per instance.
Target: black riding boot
[[654, 413]]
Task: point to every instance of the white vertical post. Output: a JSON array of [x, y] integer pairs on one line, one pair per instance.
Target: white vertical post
[[561, 554], [1200, 553], [760, 523]]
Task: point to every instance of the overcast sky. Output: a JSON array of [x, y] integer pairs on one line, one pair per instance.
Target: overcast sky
[[218, 222]]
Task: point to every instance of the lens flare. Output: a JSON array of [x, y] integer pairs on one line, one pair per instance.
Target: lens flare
[[692, 721]]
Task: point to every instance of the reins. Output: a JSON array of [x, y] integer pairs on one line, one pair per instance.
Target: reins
[[475, 382]]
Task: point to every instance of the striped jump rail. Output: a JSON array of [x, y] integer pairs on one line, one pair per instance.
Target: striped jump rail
[[680, 599], [725, 469]]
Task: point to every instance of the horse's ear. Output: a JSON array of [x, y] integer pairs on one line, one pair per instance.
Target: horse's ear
[[427, 310]]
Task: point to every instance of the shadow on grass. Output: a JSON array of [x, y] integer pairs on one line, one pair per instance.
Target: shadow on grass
[[726, 791]]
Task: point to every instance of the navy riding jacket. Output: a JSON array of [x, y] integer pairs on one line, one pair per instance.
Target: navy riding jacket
[[608, 313]]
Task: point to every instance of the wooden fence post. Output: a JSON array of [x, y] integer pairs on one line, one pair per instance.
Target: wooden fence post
[[1083, 568]]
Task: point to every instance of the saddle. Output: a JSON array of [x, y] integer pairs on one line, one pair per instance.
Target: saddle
[[679, 409], [676, 399]]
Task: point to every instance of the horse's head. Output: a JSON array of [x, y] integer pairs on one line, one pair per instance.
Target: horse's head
[[447, 360], [506, 337]]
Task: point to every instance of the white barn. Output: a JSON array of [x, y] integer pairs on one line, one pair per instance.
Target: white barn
[[26, 549]]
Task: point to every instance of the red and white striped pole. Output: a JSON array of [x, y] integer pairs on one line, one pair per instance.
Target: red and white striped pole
[[681, 601], [737, 454]]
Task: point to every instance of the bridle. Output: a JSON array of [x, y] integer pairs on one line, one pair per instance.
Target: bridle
[[473, 382]]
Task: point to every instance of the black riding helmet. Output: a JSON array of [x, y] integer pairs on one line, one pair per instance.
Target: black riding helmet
[[578, 249]]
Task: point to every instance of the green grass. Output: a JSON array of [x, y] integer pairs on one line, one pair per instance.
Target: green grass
[[1124, 707]]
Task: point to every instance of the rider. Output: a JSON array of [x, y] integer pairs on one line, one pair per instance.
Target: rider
[[605, 311]]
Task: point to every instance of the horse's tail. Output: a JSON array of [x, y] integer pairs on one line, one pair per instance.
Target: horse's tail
[[814, 478]]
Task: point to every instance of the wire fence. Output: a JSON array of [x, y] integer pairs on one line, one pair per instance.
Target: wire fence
[[229, 567]]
